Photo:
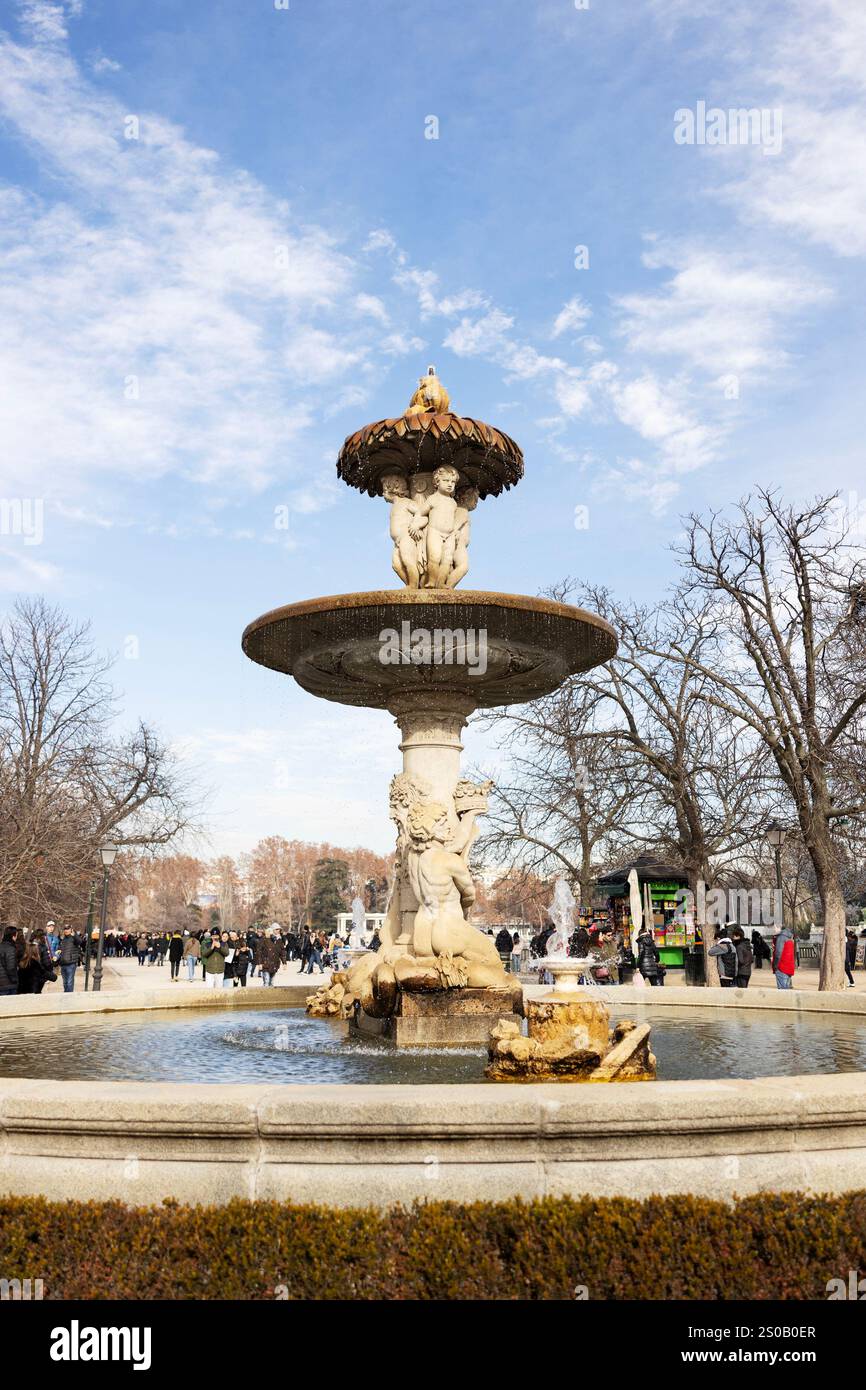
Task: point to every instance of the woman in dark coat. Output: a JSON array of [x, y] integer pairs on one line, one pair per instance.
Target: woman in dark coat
[[175, 954], [8, 963], [850, 955], [648, 958], [31, 970], [242, 962]]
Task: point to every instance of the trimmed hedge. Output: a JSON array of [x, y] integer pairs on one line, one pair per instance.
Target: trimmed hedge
[[773, 1246]]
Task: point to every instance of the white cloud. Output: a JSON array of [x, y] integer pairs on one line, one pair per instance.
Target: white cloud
[[636, 481], [161, 313], [573, 314], [807, 58], [100, 63], [402, 344], [425, 285], [372, 306], [21, 572], [718, 312], [46, 21], [658, 413]]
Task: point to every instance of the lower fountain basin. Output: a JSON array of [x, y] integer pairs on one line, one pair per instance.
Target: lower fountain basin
[[516, 648], [282, 1045]]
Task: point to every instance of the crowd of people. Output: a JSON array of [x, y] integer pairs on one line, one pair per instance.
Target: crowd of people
[[736, 955], [227, 959]]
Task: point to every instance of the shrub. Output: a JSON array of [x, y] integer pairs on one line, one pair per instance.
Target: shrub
[[774, 1246]]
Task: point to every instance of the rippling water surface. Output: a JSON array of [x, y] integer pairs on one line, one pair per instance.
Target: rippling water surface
[[284, 1045]]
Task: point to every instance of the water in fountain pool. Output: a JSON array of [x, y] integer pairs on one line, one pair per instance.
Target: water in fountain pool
[[283, 1045]]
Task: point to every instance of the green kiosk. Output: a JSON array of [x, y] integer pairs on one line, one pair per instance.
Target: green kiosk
[[673, 929]]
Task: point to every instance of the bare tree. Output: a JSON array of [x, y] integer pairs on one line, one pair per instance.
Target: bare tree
[[571, 801], [786, 595], [67, 780]]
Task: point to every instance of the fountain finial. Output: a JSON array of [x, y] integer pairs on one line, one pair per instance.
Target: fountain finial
[[430, 396]]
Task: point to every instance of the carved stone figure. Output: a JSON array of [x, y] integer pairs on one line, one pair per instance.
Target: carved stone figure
[[408, 524], [570, 1041], [443, 888], [431, 395], [467, 501], [430, 527], [427, 941], [441, 536], [420, 487]]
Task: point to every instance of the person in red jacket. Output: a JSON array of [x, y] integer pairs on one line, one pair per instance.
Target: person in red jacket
[[784, 958]]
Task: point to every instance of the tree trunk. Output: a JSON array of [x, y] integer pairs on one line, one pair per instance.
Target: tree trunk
[[832, 972]]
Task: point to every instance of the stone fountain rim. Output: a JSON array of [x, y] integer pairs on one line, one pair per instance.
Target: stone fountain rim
[[414, 598]]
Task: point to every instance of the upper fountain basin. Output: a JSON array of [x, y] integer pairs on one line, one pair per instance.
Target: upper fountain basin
[[365, 649]]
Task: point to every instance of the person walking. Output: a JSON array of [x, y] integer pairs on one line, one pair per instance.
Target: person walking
[[175, 955], [760, 950], [504, 944], [516, 952], [191, 955], [8, 963], [784, 958], [242, 962], [52, 940], [745, 958], [268, 960], [850, 955], [31, 969], [726, 958], [69, 958], [306, 948], [316, 947], [213, 955], [648, 958], [609, 955], [141, 948]]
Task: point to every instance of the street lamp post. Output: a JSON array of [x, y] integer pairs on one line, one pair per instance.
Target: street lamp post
[[87, 936], [776, 838], [108, 854]]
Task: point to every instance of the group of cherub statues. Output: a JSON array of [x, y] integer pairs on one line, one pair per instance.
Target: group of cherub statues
[[430, 527]]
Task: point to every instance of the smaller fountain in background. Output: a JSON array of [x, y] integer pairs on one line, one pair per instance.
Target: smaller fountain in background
[[355, 949], [566, 972], [359, 918]]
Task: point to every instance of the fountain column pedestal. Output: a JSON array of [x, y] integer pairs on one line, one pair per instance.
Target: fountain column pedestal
[[431, 725]]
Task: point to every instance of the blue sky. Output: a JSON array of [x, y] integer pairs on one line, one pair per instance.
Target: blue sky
[[193, 319]]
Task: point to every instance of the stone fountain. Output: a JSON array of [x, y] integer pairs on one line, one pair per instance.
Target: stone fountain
[[568, 972], [431, 655]]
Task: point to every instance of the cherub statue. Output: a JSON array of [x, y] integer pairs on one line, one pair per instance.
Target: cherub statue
[[441, 512], [420, 487], [407, 527], [467, 501]]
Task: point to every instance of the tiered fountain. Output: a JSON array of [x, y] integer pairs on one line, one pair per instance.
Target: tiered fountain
[[431, 655]]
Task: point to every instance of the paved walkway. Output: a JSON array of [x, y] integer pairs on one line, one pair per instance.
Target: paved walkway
[[125, 973], [804, 980]]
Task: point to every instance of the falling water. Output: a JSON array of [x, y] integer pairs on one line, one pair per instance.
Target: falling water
[[356, 935], [561, 913]]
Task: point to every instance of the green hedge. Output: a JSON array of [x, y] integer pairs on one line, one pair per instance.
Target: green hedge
[[773, 1246]]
